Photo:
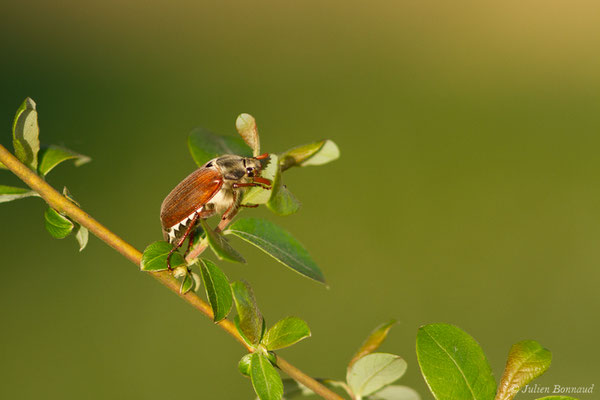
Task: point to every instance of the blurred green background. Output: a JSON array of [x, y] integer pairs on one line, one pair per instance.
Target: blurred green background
[[467, 191]]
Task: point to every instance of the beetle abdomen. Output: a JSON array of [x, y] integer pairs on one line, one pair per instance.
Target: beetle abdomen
[[188, 198]]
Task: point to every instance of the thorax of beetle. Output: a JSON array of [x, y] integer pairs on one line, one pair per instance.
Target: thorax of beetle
[[232, 170]]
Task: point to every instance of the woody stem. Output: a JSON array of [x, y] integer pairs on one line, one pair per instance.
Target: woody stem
[[65, 206]]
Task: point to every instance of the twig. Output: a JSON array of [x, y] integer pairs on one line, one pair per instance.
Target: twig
[[64, 205]]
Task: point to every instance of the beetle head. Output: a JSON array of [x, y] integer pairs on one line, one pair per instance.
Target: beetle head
[[253, 165]]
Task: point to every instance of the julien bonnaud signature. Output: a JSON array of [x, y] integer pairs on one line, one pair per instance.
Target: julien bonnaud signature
[[558, 389]]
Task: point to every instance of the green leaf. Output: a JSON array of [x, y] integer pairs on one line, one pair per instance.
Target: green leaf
[[82, 235], [10, 193], [526, 361], [278, 243], [2, 166], [396, 392], [250, 318], [155, 257], [316, 153], [205, 145], [244, 365], [265, 379], [260, 195], [558, 398], [453, 364], [53, 155], [282, 201], [246, 127], [285, 333], [187, 283], [220, 246], [26, 134], [373, 372], [373, 342], [218, 290], [57, 225]]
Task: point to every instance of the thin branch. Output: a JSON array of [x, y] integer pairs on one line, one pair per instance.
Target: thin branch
[[64, 205]]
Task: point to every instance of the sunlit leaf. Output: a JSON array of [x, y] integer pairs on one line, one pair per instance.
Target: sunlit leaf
[[265, 379], [82, 235], [205, 145], [285, 333], [155, 257], [244, 365], [277, 243], [26, 134], [453, 364], [218, 290], [396, 392], [316, 153], [374, 371], [57, 224], [10, 193], [220, 246], [373, 342], [526, 361], [249, 317], [246, 127], [51, 156]]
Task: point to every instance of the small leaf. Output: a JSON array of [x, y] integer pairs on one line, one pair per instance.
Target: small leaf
[[282, 201], [53, 155], [265, 379], [82, 235], [187, 283], [373, 372], [57, 225], [526, 361], [396, 392], [278, 243], [197, 281], [453, 364], [26, 134], [220, 246], [285, 333], [373, 341], [250, 319], [316, 153], [218, 290], [260, 195], [244, 365], [10, 193], [155, 257], [557, 398], [205, 145], [246, 127]]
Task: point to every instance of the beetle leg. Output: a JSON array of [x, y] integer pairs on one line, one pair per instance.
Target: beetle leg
[[190, 241], [252, 184], [180, 243], [232, 207], [263, 181], [249, 205]]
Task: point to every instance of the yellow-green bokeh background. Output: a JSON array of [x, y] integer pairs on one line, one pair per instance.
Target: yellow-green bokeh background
[[468, 190]]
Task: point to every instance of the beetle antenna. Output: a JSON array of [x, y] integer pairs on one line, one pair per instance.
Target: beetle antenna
[[262, 156]]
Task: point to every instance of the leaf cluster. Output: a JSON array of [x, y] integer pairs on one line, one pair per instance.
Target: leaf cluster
[[42, 159]]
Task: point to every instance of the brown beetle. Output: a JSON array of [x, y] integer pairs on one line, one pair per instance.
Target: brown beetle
[[214, 188]]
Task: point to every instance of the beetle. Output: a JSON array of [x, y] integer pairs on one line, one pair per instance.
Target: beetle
[[214, 188]]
